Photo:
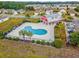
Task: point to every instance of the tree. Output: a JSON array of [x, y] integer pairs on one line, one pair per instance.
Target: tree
[[43, 42], [29, 34], [1, 5], [77, 9], [74, 38], [12, 5], [38, 41], [58, 43], [30, 8], [27, 15], [1, 35], [25, 33], [22, 32]]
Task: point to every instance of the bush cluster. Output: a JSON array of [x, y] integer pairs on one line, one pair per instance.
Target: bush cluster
[[57, 43], [43, 42], [15, 38]]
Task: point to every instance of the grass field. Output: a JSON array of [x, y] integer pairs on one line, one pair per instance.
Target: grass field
[[33, 20], [12, 22], [9, 48], [9, 24]]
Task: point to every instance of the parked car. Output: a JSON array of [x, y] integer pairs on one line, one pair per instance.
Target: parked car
[[70, 24], [70, 27]]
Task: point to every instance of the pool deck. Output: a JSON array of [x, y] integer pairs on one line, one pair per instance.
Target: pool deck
[[48, 37]]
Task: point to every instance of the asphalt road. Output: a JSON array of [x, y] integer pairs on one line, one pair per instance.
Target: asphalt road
[[76, 22]]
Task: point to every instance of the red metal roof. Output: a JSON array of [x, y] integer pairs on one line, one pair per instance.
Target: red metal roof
[[44, 18]]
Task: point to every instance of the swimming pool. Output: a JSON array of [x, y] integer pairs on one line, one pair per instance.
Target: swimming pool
[[35, 31]]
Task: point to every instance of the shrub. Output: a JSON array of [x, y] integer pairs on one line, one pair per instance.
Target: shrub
[[77, 9], [47, 43], [9, 38], [73, 42], [42, 42], [38, 41], [33, 41], [58, 43], [39, 21], [77, 45], [16, 39], [52, 44], [74, 38], [1, 35], [56, 10]]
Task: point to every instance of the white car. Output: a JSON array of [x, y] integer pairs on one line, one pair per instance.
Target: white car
[[70, 27]]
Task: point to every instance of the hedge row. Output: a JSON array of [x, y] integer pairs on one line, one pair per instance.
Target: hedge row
[[57, 43]]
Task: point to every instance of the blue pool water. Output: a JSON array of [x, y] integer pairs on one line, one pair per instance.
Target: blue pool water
[[35, 31]]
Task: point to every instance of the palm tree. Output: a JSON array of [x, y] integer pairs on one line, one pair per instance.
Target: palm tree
[[22, 32], [29, 34], [25, 33]]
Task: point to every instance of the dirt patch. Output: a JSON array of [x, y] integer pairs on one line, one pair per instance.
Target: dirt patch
[[10, 48]]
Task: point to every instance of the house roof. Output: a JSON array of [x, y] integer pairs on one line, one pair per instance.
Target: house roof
[[51, 18]]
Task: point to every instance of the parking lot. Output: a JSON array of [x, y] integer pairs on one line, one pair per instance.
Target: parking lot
[[70, 27]]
